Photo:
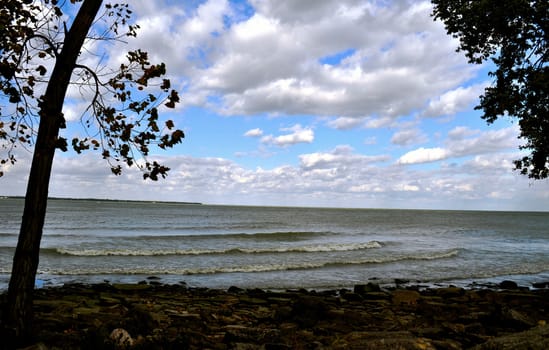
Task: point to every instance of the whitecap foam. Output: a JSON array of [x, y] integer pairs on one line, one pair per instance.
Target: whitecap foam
[[322, 248], [248, 268]]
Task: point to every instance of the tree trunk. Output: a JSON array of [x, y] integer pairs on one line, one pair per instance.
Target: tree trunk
[[18, 314]]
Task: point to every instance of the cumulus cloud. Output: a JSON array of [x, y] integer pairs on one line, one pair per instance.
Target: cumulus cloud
[[341, 64], [345, 123], [253, 133], [454, 101], [486, 142], [341, 157], [408, 137], [424, 155], [297, 134], [271, 61], [459, 144], [461, 132], [338, 177]]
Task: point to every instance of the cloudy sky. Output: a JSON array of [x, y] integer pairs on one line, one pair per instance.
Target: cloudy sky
[[343, 103]]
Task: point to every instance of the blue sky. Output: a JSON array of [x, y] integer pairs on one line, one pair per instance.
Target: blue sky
[[343, 103]]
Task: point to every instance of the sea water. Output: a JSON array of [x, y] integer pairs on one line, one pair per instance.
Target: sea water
[[92, 241]]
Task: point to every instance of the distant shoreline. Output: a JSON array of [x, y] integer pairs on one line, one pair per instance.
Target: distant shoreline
[[108, 200], [281, 206]]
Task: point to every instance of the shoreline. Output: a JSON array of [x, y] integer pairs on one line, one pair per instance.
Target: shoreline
[[152, 315], [107, 200], [531, 281]]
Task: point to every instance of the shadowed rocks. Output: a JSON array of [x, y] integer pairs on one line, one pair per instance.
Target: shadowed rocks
[[151, 316]]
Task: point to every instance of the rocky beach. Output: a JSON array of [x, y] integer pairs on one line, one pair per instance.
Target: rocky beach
[[150, 315]]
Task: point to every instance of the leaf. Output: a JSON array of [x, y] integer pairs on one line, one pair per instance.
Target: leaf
[[61, 143], [165, 84], [177, 136], [41, 70], [116, 170]]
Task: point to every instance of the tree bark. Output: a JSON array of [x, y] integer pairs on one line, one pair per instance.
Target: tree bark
[[18, 314]]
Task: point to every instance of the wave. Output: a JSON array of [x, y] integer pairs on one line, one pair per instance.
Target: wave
[[9, 234], [206, 234], [267, 235], [247, 268], [318, 248]]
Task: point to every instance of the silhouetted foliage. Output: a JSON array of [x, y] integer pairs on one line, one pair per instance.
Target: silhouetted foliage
[[121, 121], [39, 59], [514, 35]]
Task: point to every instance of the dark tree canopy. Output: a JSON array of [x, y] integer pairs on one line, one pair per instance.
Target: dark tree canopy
[[514, 35], [122, 118], [43, 53]]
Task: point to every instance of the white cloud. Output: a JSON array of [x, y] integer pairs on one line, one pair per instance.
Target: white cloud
[[341, 157], [408, 137], [458, 145], [340, 177], [298, 135], [455, 101], [424, 155], [270, 62], [253, 133], [345, 123], [486, 142], [461, 132], [385, 66]]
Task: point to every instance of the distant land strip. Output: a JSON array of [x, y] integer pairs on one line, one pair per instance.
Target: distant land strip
[[107, 200]]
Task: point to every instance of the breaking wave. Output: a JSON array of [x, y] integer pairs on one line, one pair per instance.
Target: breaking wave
[[318, 248], [248, 268]]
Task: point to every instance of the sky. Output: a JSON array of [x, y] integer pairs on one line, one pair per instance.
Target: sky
[[320, 103]]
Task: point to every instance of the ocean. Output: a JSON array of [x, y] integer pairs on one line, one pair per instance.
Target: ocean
[[92, 241]]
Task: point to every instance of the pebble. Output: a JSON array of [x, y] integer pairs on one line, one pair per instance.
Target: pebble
[[143, 316]]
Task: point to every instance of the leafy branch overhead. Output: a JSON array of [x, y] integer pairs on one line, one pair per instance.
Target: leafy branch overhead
[[514, 35], [41, 57], [122, 120]]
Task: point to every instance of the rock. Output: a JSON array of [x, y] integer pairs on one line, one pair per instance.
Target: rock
[[366, 288], [382, 341], [540, 285], [251, 300], [235, 290], [246, 346], [533, 339], [283, 313], [508, 285], [107, 300], [277, 346], [449, 292], [405, 296], [121, 338], [243, 334], [307, 311], [131, 287], [182, 314], [174, 317], [352, 296], [37, 346], [517, 318]]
